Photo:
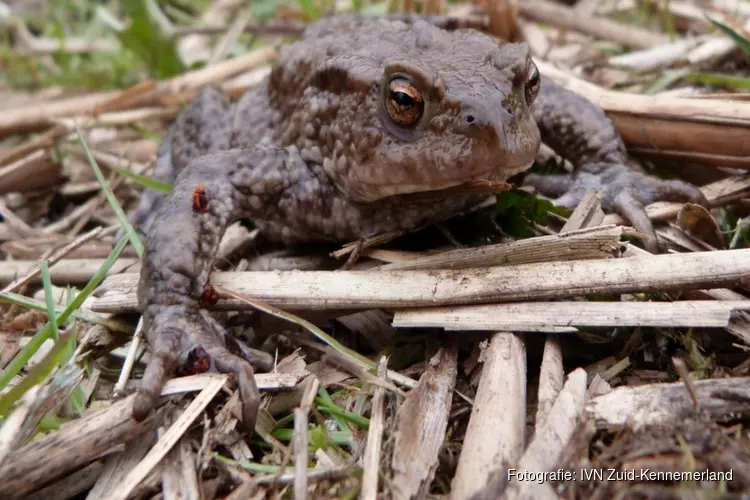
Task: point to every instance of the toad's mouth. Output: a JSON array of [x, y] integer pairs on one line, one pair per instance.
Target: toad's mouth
[[492, 181], [463, 189]]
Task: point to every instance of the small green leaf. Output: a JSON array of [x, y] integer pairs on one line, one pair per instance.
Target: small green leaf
[[145, 36]]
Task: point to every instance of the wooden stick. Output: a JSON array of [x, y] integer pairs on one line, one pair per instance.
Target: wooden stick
[[401, 289], [550, 439], [600, 242], [371, 459], [67, 271], [565, 316], [421, 422], [495, 434], [168, 440], [667, 404]]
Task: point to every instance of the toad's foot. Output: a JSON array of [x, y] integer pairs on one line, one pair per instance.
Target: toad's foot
[[623, 190], [174, 290], [190, 341]]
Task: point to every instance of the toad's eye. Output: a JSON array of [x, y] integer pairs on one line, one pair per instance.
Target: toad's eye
[[404, 102], [532, 83]]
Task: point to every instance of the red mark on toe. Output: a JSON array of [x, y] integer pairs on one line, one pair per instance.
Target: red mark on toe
[[200, 200], [198, 361], [209, 296]]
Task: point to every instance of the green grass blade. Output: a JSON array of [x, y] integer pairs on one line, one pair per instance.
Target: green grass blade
[[38, 373], [89, 317], [326, 398], [719, 80], [23, 357], [129, 231], [738, 38], [49, 297], [144, 180], [354, 418]]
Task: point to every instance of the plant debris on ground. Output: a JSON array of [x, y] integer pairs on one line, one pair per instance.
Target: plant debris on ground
[[519, 341]]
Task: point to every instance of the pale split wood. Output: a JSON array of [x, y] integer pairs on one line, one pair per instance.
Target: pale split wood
[[563, 317], [117, 464], [71, 486], [373, 448], [740, 328], [179, 477], [551, 378], [119, 118], [715, 49], [196, 47], [301, 415], [230, 38], [737, 326], [402, 289], [14, 222], [264, 381], [74, 445], [588, 213], [80, 441], [495, 433], [21, 425], [550, 439], [168, 440], [421, 423], [130, 358], [535, 37], [173, 90], [597, 243], [665, 404]]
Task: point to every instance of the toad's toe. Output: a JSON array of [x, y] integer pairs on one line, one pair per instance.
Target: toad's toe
[[187, 342]]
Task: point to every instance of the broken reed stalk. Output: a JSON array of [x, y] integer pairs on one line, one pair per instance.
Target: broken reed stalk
[[667, 127], [565, 316], [403, 289]]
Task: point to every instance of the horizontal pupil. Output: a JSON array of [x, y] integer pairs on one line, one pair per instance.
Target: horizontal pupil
[[402, 98]]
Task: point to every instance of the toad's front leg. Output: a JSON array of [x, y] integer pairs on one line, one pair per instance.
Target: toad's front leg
[[174, 289], [580, 131]]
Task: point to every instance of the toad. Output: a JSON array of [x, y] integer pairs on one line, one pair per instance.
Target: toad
[[356, 122]]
